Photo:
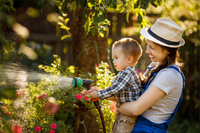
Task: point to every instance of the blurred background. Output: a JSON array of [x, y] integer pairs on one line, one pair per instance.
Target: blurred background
[[33, 31]]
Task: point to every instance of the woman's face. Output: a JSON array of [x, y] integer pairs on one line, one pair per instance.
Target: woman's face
[[156, 52]]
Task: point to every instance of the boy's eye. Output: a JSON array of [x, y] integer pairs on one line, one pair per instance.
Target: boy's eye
[[114, 58]]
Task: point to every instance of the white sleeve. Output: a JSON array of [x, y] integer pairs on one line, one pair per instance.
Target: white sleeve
[[167, 79]]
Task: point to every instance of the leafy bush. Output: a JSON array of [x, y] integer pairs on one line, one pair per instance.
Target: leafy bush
[[50, 105]]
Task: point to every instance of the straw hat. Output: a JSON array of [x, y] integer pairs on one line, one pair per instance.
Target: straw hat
[[164, 32]]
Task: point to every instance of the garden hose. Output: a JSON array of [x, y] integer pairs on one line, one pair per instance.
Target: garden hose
[[87, 84]]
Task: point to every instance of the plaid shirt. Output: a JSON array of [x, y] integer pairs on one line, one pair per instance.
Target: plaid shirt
[[126, 87]]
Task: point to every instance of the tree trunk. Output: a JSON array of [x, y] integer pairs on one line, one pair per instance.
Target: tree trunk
[[88, 50]]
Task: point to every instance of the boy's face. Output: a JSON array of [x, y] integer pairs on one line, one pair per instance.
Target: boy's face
[[120, 60]]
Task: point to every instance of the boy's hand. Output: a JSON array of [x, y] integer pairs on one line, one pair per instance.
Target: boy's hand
[[92, 93], [94, 88]]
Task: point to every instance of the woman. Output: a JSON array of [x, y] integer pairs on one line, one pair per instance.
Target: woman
[[160, 100]]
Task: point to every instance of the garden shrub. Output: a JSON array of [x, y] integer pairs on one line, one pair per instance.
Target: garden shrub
[[49, 106]]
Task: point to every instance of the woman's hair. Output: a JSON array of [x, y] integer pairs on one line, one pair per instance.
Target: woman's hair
[[172, 58], [129, 47]]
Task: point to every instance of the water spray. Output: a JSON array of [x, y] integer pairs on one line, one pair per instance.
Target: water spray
[[77, 82], [20, 77]]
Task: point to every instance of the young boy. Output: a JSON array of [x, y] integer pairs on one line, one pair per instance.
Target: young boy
[[126, 86]]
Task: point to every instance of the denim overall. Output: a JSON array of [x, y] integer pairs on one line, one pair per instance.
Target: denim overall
[[143, 125]]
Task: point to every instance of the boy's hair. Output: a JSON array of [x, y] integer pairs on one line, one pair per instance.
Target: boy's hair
[[129, 47]]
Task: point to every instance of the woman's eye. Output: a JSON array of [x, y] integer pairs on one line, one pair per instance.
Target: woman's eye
[[152, 48]]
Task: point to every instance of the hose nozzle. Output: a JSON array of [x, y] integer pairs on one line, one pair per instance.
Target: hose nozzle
[[77, 82]]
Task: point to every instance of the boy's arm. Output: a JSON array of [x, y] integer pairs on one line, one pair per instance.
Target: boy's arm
[[119, 85], [112, 98]]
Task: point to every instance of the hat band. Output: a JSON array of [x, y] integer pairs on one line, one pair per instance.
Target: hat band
[[162, 39]]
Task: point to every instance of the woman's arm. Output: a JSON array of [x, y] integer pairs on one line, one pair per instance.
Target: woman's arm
[[146, 100]]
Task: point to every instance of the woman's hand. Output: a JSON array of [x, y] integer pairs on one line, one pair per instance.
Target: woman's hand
[[117, 112], [113, 106]]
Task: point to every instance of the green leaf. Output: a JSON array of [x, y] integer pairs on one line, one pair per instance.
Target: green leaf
[[136, 5], [101, 32], [61, 18], [139, 18], [65, 27], [100, 17], [121, 8], [156, 3], [84, 14], [100, 1], [124, 1], [106, 29], [114, 3], [60, 23], [66, 20], [106, 21], [94, 31], [90, 5], [65, 36], [127, 16], [144, 4], [87, 25]]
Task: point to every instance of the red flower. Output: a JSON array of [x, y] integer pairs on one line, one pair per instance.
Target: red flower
[[95, 65], [44, 95], [38, 129], [8, 113], [51, 107], [3, 109], [40, 97], [78, 96], [19, 94], [85, 98], [16, 129], [53, 126], [52, 131]]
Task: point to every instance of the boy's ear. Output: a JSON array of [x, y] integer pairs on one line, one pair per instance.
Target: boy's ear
[[130, 59]]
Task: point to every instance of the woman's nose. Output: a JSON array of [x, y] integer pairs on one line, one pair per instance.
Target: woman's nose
[[147, 51]]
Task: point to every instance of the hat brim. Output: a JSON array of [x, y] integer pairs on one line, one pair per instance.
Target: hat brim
[[146, 35]]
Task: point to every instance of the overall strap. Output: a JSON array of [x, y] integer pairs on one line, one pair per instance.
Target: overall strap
[[168, 122], [147, 86], [176, 109]]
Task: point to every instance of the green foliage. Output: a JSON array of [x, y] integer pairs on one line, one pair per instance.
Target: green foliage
[[6, 5], [94, 12], [104, 78], [28, 109]]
